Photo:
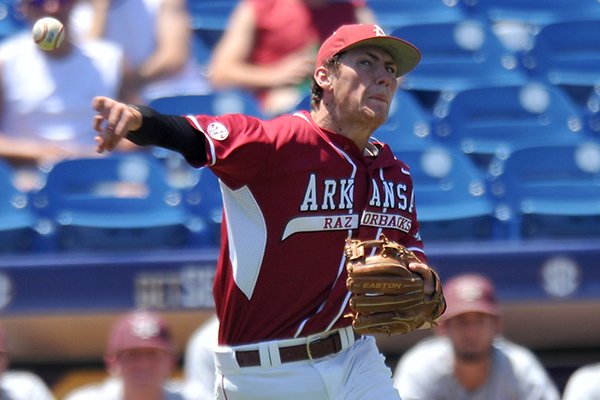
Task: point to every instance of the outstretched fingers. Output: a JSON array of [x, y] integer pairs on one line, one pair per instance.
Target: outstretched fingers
[[113, 122]]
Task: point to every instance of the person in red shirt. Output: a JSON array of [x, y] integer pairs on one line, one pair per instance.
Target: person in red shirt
[[269, 47], [294, 189]]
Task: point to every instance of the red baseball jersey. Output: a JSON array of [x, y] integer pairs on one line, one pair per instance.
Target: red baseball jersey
[[292, 193]]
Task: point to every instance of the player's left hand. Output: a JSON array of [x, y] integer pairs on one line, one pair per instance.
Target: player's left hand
[[113, 122]]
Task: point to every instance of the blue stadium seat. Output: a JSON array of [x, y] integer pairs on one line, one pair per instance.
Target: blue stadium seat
[[592, 112], [549, 191], [458, 56], [409, 124], [209, 20], [121, 201], [17, 218], [10, 21], [567, 53], [484, 122], [450, 195], [215, 103], [203, 198], [391, 14], [534, 12]]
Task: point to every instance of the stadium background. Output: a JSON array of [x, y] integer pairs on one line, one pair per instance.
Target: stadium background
[[59, 292]]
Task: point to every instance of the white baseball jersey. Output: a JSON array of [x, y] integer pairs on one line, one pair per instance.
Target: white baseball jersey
[[584, 384], [22, 385], [199, 363], [426, 372], [112, 389]]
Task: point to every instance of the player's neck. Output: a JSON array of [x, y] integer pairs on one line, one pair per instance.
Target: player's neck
[[359, 133], [471, 375], [153, 394]]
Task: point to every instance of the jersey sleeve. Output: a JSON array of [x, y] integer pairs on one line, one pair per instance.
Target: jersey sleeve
[[237, 146]]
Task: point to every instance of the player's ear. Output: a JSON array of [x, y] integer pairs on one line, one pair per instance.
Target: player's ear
[[323, 77]]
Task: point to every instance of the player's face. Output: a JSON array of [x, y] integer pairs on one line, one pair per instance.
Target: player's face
[[144, 368], [472, 335], [365, 85]]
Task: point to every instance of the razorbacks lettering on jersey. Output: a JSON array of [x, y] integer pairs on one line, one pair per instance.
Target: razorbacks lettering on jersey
[[292, 193]]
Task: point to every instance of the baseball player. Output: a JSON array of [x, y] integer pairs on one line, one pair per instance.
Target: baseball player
[[19, 385], [469, 359], [140, 359], [294, 189]]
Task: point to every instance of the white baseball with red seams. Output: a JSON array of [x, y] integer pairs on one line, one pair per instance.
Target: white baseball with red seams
[[48, 33]]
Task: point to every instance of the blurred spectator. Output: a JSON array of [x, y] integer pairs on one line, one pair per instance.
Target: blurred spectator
[[19, 385], [156, 38], [199, 363], [45, 96], [584, 384], [140, 359], [469, 359], [270, 46]]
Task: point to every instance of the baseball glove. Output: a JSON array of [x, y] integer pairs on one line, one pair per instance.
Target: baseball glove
[[387, 297]]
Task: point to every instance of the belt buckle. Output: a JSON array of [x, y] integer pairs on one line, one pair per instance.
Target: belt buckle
[[312, 339]]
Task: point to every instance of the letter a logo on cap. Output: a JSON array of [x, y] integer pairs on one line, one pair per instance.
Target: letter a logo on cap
[[378, 31]]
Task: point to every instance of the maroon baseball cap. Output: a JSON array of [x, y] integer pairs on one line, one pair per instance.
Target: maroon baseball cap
[[470, 293], [347, 37], [140, 329]]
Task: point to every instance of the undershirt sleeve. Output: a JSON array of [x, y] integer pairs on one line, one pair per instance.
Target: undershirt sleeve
[[170, 132]]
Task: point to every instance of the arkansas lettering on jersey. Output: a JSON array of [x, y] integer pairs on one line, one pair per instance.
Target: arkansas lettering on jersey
[[292, 194]]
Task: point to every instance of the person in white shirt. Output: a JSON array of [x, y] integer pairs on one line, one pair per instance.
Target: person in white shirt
[[45, 96], [19, 385], [583, 384], [140, 358], [468, 359], [156, 38], [199, 362]]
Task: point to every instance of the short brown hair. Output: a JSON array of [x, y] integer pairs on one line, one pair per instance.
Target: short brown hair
[[316, 91]]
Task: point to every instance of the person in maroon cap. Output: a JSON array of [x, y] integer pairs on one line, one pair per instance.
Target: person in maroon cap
[[140, 358], [294, 189], [469, 359], [19, 385]]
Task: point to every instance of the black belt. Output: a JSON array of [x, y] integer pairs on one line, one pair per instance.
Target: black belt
[[318, 348]]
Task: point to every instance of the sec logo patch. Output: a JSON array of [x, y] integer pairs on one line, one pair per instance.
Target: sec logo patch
[[217, 131]]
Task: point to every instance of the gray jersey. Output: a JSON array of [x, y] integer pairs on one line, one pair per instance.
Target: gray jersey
[[111, 389], [21, 385], [584, 384], [425, 372]]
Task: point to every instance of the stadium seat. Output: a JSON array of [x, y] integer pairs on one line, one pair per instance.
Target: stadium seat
[[10, 21], [121, 201], [203, 199], [592, 112], [215, 103], [484, 122], [458, 56], [534, 12], [567, 53], [17, 219], [391, 14], [549, 191], [209, 19], [409, 125], [450, 195]]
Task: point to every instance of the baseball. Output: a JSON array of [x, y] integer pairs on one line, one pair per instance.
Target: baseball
[[48, 33]]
